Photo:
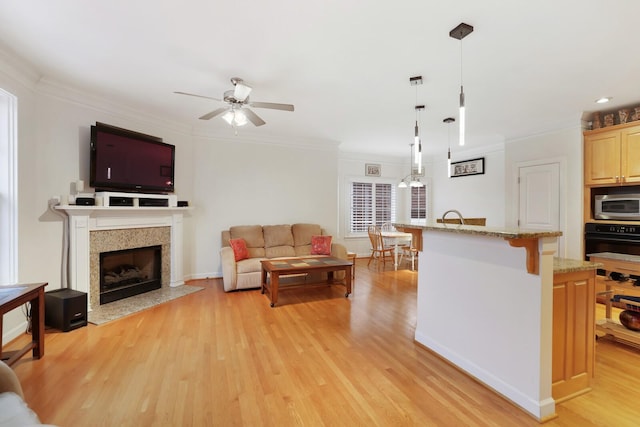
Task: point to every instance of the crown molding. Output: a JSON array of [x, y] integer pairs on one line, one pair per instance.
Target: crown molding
[[18, 69], [59, 90]]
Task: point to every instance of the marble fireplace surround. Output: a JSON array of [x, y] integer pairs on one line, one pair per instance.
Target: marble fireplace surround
[[131, 238], [95, 229]]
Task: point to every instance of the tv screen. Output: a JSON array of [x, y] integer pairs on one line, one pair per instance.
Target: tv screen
[[123, 160]]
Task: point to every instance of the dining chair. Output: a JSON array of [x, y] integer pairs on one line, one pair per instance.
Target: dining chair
[[413, 248], [378, 248], [387, 226]]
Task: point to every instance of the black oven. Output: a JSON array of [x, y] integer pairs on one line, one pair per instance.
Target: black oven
[[621, 239], [617, 238]]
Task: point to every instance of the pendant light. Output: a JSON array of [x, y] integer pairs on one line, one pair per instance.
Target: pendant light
[[448, 121], [410, 180], [417, 144], [460, 32]]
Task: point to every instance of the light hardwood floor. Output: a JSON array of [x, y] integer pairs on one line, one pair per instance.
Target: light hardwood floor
[[228, 359]]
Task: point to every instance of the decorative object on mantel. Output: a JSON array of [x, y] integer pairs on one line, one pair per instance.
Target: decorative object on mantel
[[371, 169], [468, 167], [636, 114], [596, 120]]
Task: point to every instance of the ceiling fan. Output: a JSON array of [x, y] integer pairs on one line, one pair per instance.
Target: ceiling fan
[[237, 112]]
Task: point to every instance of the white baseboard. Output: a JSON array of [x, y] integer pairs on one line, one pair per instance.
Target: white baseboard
[[540, 409]]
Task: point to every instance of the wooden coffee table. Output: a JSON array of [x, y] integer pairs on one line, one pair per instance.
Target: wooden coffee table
[[288, 266]]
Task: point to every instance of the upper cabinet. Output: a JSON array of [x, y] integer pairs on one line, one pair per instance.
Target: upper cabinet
[[612, 155]]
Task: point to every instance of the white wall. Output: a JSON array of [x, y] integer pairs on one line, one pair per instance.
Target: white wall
[[352, 165], [242, 181], [474, 195], [53, 153], [565, 145], [19, 80]]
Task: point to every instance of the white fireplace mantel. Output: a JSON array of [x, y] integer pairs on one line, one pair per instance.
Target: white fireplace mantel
[[84, 219]]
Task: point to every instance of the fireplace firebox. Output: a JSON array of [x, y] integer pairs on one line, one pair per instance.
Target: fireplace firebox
[[129, 272]]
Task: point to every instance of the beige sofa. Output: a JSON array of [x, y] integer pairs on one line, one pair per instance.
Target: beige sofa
[[13, 409], [269, 241]]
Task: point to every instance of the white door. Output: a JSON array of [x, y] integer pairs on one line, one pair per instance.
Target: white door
[[539, 206]]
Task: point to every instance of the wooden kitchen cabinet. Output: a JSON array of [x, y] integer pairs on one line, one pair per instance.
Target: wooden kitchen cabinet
[[612, 155], [621, 263], [573, 333]]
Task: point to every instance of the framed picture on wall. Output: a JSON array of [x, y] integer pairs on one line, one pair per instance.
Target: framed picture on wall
[[371, 169], [467, 167]]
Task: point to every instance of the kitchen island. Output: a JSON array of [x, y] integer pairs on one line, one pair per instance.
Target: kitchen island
[[485, 303]]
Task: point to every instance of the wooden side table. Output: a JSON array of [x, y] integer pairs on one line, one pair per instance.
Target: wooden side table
[[12, 297], [351, 256]]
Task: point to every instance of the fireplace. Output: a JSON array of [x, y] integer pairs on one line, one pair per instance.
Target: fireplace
[[129, 272], [97, 229], [122, 243]]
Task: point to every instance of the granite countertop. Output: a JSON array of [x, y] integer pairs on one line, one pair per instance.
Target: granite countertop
[[567, 265], [506, 233], [616, 256]]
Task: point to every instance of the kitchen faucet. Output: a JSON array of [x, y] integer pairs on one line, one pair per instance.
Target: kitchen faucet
[[454, 211]]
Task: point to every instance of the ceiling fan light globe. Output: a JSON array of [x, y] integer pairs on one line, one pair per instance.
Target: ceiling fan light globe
[[241, 91], [240, 118], [229, 117]]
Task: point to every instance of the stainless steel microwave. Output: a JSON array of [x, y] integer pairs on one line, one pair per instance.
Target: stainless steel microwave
[[618, 206]]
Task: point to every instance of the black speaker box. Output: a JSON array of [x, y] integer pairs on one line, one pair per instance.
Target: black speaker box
[[85, 201], [65, 309]]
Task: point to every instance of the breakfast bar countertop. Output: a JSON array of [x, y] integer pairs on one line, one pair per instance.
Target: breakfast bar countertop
[[567, 265], [506, 233]]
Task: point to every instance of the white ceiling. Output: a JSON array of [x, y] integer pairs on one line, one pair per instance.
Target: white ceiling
[[529, 66]]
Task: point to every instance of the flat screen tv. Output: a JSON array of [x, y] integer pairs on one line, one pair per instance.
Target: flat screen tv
[[123, 160]]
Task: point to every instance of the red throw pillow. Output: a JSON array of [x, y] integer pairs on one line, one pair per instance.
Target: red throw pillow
[[239, 247], [320, 245]]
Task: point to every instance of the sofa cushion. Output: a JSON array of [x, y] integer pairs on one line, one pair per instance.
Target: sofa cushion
[[280, 251], [320, 245], [253, 237], [239, 247], [302, 237], [249, 265], [278, 241], [277, 235]]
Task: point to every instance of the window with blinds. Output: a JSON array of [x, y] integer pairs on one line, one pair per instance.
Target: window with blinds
[[419, 202], [371, 204]]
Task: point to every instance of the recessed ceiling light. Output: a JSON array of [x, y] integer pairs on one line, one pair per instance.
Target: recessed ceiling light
[[603, 100]]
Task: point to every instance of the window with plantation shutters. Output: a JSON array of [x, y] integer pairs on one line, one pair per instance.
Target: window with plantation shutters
[[419, 202], [372, 203]]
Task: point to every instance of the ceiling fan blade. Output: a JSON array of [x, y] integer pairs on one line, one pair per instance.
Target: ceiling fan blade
[[214, 113], [273, 106], [199, 96], [253, 117]]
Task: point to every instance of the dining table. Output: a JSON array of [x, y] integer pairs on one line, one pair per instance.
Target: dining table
[[397, 238]]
